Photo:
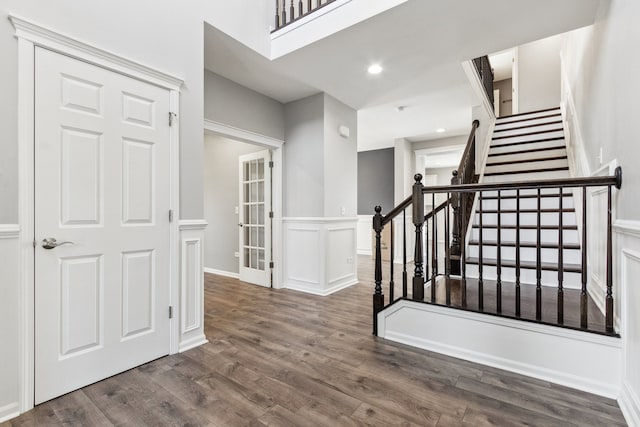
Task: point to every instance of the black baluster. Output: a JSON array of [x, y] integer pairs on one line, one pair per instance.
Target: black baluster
[[447, 252], [391, 282], [463, 253], [583, 290], [518, 253], [434, 248], [539, 262], [609, 298], [480, 257], [300, 9], [378, 296], [561, 259], [418, 220], [277, 15], [499, 256], [404, 252], [456, 226], [292, 12], [283, 20]]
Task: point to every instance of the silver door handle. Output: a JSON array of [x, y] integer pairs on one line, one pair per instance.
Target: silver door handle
[[51, 243]]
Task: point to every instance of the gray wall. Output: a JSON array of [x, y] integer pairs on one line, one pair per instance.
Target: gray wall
[[505, 86], [539, 74], [232, 104], [340, 160], [304, 157], [375, 180], [221, 196], [600, 64]]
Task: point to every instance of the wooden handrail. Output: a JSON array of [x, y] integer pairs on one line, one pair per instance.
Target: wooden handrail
[[397, 210], [470, 140], [438, 208]]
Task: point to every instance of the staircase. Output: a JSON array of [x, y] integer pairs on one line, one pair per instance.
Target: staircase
[[526, 147]]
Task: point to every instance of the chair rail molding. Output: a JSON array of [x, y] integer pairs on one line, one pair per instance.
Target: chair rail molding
[[9, 231]]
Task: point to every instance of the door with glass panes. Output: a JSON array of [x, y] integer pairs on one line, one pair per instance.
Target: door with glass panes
[[255, 221]]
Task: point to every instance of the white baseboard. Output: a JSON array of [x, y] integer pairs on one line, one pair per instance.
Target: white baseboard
[[9, 411], [314, 290], [221, 273], [561, 356], [366, 252], [629, 403], [194, 342]]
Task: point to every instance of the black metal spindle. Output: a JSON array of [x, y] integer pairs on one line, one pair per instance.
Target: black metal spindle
[[418, 220], [378, 296], [283, 14], [538, 259], [308, 6], [583, 291], [463, 254], [277, 15], [609, 297], [518, 312], [499, 255], [447, 252], [434, 246], [391, 253], [292, 12], [300, 9], [561, 258], [404, 251], [480, 256]]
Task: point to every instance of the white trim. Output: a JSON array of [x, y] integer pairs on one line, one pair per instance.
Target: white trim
[[627, 227], [629, 403], [241, 134], [29, 36], [192, 224], [9, 231], [578, 161], [222, 273], [9, 411], [324, 220], [591, 385], [57, 41], [192, 343], [314, 291], [477, 86]]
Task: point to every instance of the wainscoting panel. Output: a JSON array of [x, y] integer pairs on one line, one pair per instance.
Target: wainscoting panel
[[191, 284], [320, 254], [10, 320], [364, 231]]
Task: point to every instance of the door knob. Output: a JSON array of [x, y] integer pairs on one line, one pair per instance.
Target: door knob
[[51, 243], [241, 225]]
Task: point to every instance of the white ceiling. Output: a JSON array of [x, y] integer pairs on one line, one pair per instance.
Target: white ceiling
[[420, 44]]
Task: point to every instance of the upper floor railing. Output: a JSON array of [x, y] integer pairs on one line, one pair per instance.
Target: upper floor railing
[[289, 11], [483, 67]]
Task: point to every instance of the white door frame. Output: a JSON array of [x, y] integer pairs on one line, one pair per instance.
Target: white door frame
[[276, 146], [29, 36]]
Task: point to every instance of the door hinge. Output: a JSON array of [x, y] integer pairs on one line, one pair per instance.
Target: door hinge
[[271, 214], [170, 215], [270, 264], [271, 164], [172, 117], [170, 312], [34, 243]]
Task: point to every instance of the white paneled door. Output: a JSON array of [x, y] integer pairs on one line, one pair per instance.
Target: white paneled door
[[102, 185], [255, 221]]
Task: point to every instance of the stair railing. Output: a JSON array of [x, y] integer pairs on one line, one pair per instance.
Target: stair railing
[[438, 280], [289, 11], [485, 72]]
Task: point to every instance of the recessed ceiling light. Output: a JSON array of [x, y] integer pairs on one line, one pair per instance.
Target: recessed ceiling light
[[375, 69], [440, 130]]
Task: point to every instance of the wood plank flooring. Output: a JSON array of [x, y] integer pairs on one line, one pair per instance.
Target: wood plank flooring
[[284, 358]]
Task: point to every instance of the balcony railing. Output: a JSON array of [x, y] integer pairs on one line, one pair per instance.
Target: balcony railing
[[483, 67], [289, 11]]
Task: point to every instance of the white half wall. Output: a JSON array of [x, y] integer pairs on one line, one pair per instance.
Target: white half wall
[[191, 284], [364, 230], [581, 360], [320, 254], [10, 301]]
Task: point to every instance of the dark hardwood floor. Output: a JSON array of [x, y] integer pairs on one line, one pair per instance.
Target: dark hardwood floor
[[284, 358]]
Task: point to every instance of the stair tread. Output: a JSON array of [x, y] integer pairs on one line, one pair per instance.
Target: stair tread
[[527, 119], [547, 266], [533, 150], [510, 211], [544, 245], [528, 227], [535, 160], [513, 172], [529, 141], [529, 112], [527, 134], [555, 122]]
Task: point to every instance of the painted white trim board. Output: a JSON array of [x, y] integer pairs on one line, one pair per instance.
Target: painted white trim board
[[9, 231], [221, 273], [332, 290], [9, 411], [241, 134], [192, 224], [476, 337], [629, 403]]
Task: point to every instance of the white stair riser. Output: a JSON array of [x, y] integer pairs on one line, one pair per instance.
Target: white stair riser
[[529, 236], [568, 218], [549, 278], [512, 124], [528, 203], [527, 156], [538, 128], [529, 166], [521, 137], [518, 177], [571, 256], [495, 148], [520, 117]]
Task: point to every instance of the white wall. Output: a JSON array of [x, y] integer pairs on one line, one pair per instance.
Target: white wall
[[340, 160], [221, 197], [539, 74], [404, 160], [234, 105]]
